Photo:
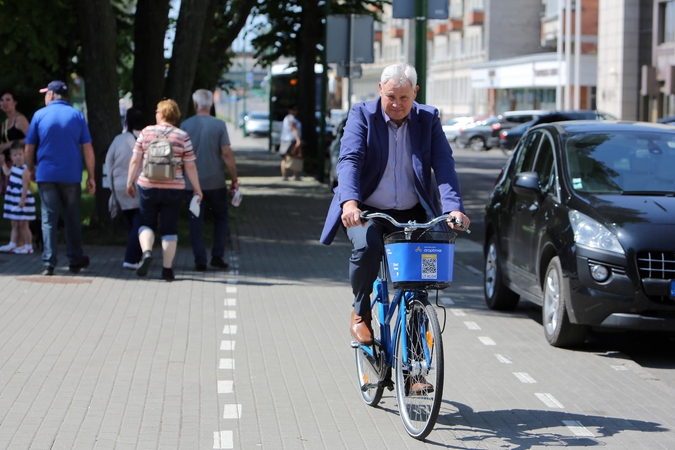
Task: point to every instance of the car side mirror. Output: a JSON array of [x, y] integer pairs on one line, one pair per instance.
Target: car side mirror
[[528, 183]]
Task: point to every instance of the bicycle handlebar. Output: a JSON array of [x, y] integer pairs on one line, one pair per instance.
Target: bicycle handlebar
[[412, 225]]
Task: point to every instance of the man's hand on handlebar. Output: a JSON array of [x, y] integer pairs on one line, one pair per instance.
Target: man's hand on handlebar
[[351, 214], [459, 221]]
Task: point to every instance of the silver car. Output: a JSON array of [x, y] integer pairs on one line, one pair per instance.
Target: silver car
[[257, 123]]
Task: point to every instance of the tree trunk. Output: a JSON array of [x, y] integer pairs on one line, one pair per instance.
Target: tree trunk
[[150, 24], [191, 22], [308, 38], [97, 31]]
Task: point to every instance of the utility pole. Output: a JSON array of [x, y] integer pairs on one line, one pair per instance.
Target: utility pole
[[421, 49]]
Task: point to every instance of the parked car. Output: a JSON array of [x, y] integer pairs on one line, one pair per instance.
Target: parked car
[[580, 222], [451, 127], [510, 137], [485, 134], [256, 123], [670, 120], [335, 154]]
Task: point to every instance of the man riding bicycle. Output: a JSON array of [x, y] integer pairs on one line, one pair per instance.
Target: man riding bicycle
[[387, 152]]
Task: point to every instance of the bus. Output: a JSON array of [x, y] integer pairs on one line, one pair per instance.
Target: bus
[[282, 83]]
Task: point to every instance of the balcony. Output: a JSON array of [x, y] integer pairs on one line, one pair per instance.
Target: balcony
[[476, 18], [455, 24], [441, 28]]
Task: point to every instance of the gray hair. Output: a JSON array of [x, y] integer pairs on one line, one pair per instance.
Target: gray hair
[[203, 98], [399, 74]]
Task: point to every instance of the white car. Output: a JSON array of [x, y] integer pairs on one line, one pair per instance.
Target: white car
[[451, 127]]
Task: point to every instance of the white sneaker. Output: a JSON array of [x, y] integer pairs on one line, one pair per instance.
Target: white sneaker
[[25, 250], [8, 248], [131, 266]]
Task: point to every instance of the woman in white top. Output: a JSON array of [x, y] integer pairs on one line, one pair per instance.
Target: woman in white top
[[291, 141], [117, 167]]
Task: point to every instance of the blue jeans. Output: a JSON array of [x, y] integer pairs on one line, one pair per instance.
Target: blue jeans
[[217, 200], [164, 203], [55, 197]]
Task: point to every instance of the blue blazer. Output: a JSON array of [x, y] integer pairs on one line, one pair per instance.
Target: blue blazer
[[364, 149]]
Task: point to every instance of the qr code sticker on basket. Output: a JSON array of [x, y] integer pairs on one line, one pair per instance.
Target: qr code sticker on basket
[[429, 267]]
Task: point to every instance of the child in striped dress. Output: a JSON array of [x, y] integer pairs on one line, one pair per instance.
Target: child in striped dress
[[19, 201]]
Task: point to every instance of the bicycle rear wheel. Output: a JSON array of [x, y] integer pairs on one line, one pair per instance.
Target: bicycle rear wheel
[[369, 368], [419, 380]]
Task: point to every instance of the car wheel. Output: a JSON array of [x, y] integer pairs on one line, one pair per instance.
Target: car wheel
[[558, 330], [497, 295], [477, 144]]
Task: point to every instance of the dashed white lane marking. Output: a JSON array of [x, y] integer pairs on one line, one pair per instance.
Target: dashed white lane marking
[[226, 363], [230, 329], [474, 271], [232, 411], [223, 439], [227, 345], [472, 325], [231, 289], [549, 401], [619, 367], [229, 314], [503, 359], [524, 377], [577, 428], [225, 386], [446, 301], [230, 302], [458, 312], [487, 340]]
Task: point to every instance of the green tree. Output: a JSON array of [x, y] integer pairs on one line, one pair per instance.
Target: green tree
[[295, 29]]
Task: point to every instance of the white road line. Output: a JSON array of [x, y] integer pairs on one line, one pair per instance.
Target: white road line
[[232, 411], [474, 271], [472, 325], [230, 329], [227, 345], [619, 367], [229, 314], [231, 281], [231, 289], [226, 363], [458, 312], [524, 377], [503, 359], [223, 439], [487, 340], [549, 401], [225, 386], [577, 428], [446, 301], [230, 302]]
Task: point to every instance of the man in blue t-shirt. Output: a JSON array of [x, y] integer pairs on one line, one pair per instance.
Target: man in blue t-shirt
[[57, 131]]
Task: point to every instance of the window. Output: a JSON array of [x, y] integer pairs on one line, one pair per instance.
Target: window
[[544, 166], [526, 156], [667, 19]]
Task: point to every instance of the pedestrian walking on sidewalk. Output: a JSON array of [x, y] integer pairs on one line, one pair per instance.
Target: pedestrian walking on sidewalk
[[162, 183], [117, 167], [56, 133], [211, 145], [388, 150], [290, 142]]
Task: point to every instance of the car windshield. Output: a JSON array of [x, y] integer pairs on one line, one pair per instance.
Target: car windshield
[[627, 163], [258, 116]]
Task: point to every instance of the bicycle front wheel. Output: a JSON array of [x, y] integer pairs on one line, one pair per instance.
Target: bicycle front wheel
[[419, 369]]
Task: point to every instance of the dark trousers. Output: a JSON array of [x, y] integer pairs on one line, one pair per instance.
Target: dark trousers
[[133, 252], [368, 248], [217, 200]]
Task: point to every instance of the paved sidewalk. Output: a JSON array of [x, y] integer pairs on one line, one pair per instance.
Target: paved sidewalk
[[258, 356]]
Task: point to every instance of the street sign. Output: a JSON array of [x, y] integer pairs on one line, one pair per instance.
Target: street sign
[[436, 9], [339, 34]]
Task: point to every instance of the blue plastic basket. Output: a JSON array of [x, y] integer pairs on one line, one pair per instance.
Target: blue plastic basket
[[426, 263]]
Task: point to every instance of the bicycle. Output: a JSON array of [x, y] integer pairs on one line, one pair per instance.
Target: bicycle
[[414, 263]]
